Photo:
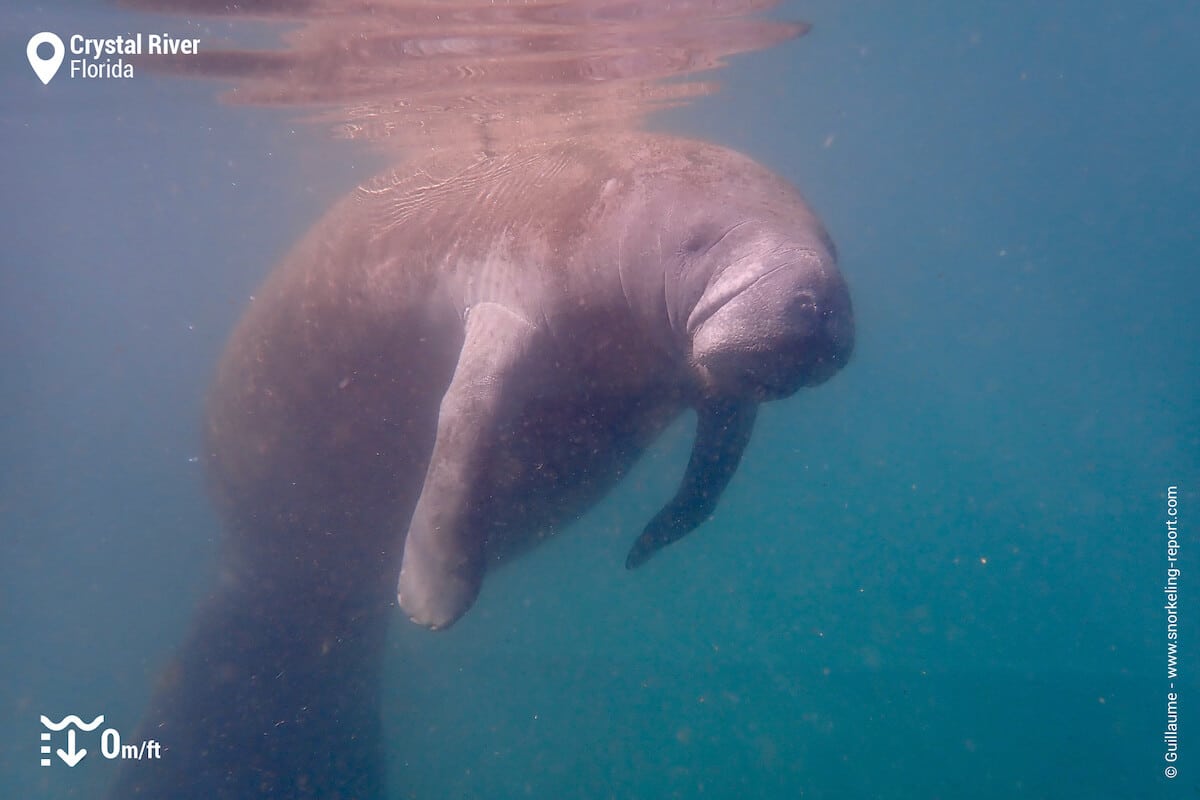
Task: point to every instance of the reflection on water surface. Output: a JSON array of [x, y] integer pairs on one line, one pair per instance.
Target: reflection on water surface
[[417, 74]]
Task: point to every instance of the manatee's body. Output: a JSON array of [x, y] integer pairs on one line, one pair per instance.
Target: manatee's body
[[460, 358], [326, 403]]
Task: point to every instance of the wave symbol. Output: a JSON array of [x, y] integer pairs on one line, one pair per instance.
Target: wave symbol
[[71, 719]]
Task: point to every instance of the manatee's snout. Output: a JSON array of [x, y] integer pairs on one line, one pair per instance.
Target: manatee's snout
[[787, 327]]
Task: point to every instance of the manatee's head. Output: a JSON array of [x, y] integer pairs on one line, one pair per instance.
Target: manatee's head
[[775, 318]]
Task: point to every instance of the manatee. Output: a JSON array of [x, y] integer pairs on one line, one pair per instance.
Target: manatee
[[459, 359]]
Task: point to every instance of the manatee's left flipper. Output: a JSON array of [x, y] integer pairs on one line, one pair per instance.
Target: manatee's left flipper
[[723, 429], [444, 551]]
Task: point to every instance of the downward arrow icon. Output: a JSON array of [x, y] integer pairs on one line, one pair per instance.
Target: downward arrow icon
[[71, 756]]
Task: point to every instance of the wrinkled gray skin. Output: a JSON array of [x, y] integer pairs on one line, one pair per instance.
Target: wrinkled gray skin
[[459, 359]]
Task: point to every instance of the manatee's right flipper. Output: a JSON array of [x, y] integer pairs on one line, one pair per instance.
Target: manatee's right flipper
[[723, 429], [444, 549], [269, 697]]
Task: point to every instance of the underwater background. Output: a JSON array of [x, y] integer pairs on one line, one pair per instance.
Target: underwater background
[[938, 575]]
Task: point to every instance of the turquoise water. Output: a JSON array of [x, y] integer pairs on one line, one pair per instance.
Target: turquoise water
[[939, 575]]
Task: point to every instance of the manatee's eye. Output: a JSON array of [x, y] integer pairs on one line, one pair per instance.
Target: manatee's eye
[[702, 238]]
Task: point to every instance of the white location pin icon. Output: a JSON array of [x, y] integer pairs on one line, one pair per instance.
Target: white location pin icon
[[45, 67]]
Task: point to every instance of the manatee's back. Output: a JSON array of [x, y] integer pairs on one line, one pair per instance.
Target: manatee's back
[[322, 413]]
